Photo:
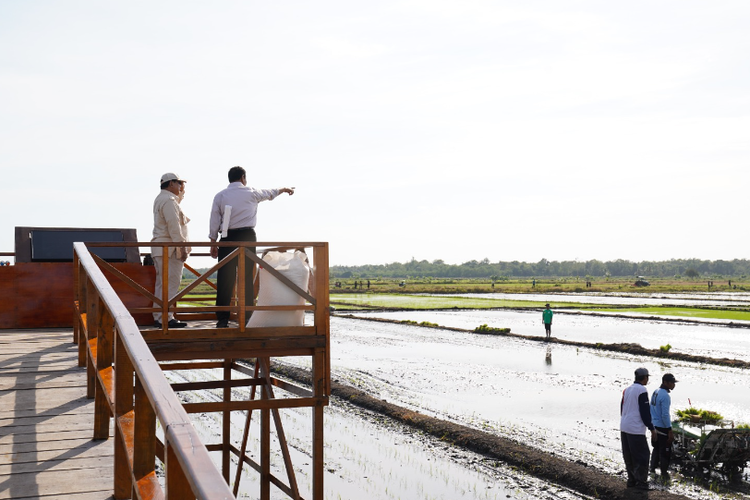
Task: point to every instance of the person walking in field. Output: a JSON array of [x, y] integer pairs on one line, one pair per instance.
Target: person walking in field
[[547, 320], [660, 403]]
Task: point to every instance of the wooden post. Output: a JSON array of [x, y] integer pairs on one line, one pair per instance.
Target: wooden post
[[226, 422], [265, 450], [319, 365], [104, 359], [123, 412], [164, 289], [241, 265], [92, 331], [144, 434], [177, 485]]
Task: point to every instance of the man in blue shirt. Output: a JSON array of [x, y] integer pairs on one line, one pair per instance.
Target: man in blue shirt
[[660, 403]]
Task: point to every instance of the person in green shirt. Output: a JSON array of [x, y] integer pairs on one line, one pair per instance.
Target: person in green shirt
[[547, 320]]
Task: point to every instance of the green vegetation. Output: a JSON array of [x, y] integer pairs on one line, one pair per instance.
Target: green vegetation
[[695, 415], [694, 268], [490, 330], [426, 284], [371, 300], [665, 348], [691, 312]]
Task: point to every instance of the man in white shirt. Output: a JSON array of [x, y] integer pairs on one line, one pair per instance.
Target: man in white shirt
[[170, 224], [635, 418], [240, 222]]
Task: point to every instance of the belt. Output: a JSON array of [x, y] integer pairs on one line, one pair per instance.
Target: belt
[[242, 228]]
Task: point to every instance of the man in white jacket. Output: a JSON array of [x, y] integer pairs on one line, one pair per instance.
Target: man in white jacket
[[170, 224], [635, 418]]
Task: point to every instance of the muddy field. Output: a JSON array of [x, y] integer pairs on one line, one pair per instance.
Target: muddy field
[[560, 400]]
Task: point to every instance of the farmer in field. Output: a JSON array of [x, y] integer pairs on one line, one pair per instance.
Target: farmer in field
[[547, 320], [660, 403], [635, 418]]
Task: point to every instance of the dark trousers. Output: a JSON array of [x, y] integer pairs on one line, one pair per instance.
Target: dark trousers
[[635, 452], [226, 276], [662, 453]]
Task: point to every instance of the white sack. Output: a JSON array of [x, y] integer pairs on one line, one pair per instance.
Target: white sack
[[273, 292]]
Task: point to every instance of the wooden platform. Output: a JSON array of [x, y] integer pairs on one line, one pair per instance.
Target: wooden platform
[[46, 422]]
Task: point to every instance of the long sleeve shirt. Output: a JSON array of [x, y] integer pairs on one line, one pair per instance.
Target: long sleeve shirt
[[170, 223], [660, 403], [244, 202]]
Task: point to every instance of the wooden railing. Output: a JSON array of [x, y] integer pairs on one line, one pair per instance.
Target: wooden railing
[[126, 365]]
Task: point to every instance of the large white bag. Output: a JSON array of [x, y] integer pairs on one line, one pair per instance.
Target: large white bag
[[273, 292]]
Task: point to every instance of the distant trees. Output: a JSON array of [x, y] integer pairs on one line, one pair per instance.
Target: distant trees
[[547, 268], [691, 273]]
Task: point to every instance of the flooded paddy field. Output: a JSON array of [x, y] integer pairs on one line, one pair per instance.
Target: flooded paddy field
[[700, 339], [560, 399], [632, 299], [369, 457]]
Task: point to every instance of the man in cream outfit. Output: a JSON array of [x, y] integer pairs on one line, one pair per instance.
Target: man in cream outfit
[[170, 224]]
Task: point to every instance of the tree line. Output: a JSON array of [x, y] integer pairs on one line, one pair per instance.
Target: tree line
[[691, 268]]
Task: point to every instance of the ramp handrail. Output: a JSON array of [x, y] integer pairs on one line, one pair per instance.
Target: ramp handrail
[[127, 369]]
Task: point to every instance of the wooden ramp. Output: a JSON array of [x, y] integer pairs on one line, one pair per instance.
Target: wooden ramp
[[46, 421]]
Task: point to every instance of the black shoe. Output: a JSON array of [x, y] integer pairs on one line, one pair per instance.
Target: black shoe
[[631, 483], [222, 323], [173, 323], [642, 486]]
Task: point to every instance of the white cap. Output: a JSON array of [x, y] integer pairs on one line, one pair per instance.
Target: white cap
[[170, 176]]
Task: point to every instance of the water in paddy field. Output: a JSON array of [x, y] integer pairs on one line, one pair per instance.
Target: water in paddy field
[[561, 399], [701, 339]]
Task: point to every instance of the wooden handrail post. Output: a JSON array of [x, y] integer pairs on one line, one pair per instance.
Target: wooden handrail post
[[322, 308], [124, 391], [177, 485], [92, 331], [241, 265], [164, 288], [76, 299], [104, 359], [144, 434]]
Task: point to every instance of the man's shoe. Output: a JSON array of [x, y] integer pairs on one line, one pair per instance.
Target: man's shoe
[[642, 486], [173, 323], [157, 324], [222, 323], [631, 483]]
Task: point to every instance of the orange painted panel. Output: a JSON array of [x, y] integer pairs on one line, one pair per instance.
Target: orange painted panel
[[40, 294]]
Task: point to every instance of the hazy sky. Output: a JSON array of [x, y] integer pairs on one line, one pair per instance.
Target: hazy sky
[[427, 129]]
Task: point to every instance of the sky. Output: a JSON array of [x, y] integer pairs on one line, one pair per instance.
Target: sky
[[415, 129]]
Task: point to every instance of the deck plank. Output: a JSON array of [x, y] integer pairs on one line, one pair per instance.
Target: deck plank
[[46, 422]]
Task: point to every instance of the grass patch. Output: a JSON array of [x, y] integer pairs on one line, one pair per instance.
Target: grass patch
[[687, 312], [363, 301]]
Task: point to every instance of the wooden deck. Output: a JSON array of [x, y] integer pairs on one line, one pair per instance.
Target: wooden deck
[[46, 422]]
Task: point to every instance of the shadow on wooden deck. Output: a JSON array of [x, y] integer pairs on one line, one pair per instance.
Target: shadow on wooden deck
[[46, 421]]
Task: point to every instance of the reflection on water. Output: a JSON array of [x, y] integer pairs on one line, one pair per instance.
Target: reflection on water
[[548, 355]]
